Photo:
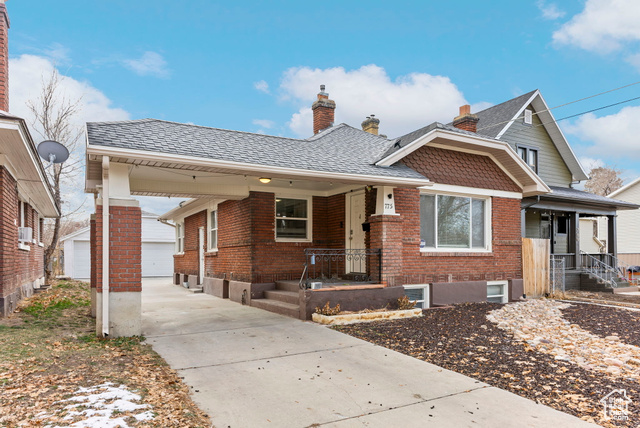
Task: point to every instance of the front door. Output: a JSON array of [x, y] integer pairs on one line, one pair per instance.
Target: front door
[[201, 255], [560, 234], [355, 235]]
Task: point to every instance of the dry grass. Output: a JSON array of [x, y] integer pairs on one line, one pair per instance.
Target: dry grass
[[48, 349]]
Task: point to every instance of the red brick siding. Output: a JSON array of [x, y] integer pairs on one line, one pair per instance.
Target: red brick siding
[[504, 261], [460, 169], [125, 252], [92, 250], [17, 267], [4, 58], [187, 262]]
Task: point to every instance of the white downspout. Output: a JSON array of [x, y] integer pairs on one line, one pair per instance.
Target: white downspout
[[105, 246]]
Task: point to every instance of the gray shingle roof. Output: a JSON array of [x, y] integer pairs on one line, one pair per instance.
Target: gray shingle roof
[[494, 119], [566, 193], [340, 149]]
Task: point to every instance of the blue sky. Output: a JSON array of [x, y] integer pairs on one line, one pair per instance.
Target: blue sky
[[256, 65]]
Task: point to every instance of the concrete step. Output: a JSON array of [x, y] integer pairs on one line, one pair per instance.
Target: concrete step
[[283, 296], [288, 285], [625, 290], [277, 307], [195, 290]]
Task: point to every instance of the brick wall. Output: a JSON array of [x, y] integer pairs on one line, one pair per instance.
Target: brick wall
[[4, 58], [458, 168], [504, 261], [246, 239], [125, 252], [18, 268]]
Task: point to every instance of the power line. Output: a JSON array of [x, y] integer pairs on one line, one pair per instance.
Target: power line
[[569, 103]]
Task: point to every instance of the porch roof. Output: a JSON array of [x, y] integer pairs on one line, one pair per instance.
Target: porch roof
[[339, 154], [579, 196]]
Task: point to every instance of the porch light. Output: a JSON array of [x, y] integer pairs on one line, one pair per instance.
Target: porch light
[[264, 180]]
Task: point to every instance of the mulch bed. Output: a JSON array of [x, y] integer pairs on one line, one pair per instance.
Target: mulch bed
[[605, 321], [461, 339]]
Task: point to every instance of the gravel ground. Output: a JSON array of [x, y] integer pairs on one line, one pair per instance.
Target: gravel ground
[[461, 339]]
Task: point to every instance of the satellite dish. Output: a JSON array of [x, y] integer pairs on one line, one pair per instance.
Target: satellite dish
[[53, 152]]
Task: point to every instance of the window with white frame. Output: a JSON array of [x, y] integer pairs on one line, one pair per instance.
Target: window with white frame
[[180, 238], [418, 293], [36, 227], [497, 291], [528, 117], [292, 219], [213, 230], [454, 222]]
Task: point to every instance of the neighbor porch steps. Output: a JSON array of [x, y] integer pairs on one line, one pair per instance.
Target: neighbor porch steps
[[283, 299]]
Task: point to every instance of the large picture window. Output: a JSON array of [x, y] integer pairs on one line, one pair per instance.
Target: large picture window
[[453, 222], [292, 219]]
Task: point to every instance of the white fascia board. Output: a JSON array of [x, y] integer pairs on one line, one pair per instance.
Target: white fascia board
[[74, 234], [243, 168], [481, 142], [552, 123], [474, 191], [624, 188], [517, 115], [192, 206]]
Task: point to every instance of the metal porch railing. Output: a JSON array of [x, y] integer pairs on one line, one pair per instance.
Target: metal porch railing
[[607, 268], [335, 265]]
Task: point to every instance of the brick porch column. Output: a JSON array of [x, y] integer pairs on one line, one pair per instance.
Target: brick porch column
[[125, 269], [92, 253], [386, 233]]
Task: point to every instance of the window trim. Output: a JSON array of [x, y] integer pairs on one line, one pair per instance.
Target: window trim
[[488, 235], [426, 303], [179, 237], [210, 248], [505, 290], [527, 150], [309, 219]]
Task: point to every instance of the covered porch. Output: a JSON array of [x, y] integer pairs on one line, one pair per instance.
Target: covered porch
[[584, 249]]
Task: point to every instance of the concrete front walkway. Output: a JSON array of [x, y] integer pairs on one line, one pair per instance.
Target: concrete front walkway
[[251, 368]]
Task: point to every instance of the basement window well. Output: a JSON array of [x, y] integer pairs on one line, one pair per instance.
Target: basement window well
[[497, 291]]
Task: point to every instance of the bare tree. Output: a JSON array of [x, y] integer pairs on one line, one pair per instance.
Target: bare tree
[[603, 180], [53, 119]]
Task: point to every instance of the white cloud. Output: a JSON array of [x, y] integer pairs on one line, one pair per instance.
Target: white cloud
[[265, 123], [603, 26], [402, 105], [590, 163], [261, 86], [26, 74], [549, 10], [149, 64], [616, 134]]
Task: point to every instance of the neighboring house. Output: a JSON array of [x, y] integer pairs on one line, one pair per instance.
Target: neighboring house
[[628, 227], [25, 197], [158, 243], [438, 213]]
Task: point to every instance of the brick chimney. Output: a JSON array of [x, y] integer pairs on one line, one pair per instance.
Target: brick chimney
[[4, 57], [371, 124], [466, 120], [323, 111]]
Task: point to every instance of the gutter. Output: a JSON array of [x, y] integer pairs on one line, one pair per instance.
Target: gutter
[[105, 246]]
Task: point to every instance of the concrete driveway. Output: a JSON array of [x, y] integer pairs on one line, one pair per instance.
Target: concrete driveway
[[251, 368]]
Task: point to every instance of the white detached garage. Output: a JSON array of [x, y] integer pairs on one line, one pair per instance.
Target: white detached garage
[[158, 246]]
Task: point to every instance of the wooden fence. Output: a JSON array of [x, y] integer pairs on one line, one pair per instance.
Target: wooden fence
[[535, 266]]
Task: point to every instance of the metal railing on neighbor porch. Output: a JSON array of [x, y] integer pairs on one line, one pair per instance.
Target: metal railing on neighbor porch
[[608, 269], [334, 265]]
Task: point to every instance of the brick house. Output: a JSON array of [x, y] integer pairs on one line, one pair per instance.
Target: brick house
[[25, 197], [346, 215]]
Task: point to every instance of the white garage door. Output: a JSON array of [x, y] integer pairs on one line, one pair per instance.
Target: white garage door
[[81, 260], [157, 259]]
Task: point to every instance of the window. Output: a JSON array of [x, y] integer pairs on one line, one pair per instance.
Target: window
[[530, 156], [292, 219], [528, 117], [213, 230], [497, 291], [180, 238], [418, 293], [562, 225], [453, 222]]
